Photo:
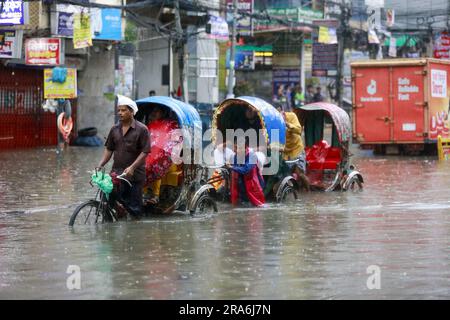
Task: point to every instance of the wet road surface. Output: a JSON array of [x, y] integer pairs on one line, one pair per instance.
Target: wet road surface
[[317, 248]]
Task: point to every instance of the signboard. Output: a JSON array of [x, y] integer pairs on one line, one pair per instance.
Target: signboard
[[219, 28], [106, 24], [244, 60], [325, 56], [56, 90], [111, 25], [299, 15], [245, 23], [11, 44], [12, 12], [43, 51]]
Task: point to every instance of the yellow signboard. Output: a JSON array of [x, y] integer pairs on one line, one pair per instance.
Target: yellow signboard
[[324, 36], [82, 36], [56, 90]]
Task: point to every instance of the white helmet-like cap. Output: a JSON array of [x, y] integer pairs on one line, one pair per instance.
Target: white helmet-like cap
[[124, 101]]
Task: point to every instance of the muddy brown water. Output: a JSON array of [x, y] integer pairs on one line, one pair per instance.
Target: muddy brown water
[[319, 247]]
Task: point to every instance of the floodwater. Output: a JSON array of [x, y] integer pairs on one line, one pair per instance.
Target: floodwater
[[320, 247]]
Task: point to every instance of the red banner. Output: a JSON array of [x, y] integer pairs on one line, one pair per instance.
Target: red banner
[[43, 51]]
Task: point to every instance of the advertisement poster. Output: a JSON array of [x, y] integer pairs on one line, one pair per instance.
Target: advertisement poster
[[65, 24], [43, 51], [441, 49], [245, 23], [284, 78], [124, 76], [438, 83], [111, 26], [11, 44], [82, 36], [105, 24], [12, 12], [56, 90], [243, 60], [439, 103]]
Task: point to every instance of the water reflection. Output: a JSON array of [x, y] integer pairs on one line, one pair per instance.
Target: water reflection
[[318, 247]]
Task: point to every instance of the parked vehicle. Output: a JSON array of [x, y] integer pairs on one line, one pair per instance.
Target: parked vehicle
[[400, 105], [327, 134]]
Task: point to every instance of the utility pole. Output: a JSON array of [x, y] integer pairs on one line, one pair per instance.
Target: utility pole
[[232, 52], [343, 28], [181, 52]]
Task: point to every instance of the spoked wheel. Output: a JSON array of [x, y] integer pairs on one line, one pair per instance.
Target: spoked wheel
[[289, 194], [355, 185], [204, 205], [89, 213]]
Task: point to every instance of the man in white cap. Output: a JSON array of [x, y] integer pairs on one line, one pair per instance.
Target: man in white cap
[[129, 141]]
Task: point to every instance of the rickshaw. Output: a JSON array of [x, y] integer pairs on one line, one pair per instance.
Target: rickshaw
[[280, 186], [179, 184], [327, 134]]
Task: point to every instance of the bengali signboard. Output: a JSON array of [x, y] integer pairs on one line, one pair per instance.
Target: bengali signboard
[[245, 23], [11, 44], [325, 56], [297, 15], [43, 51], [56, 90], [12, 12]]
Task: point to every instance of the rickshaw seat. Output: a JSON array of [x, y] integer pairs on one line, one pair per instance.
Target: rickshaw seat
[[322, 156]]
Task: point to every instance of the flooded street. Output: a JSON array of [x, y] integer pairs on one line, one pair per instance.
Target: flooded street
[[317, 248]]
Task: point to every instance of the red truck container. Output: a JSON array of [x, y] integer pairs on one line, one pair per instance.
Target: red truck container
[[400, 105]]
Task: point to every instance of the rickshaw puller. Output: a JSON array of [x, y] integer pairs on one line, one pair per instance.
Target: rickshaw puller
[[129, 142]]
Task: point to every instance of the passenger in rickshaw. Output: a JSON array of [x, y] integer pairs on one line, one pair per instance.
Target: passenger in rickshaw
[[294, 148], [159, 162], [246, 181]]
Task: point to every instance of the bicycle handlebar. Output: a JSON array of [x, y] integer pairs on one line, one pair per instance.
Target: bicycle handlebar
[[122, 177]]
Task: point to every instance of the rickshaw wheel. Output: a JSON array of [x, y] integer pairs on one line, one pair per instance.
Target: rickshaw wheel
[[288, 194], [89, 212], [355, 184], [204, 204]]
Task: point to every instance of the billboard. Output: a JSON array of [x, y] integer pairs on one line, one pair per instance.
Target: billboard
[[105, 24]]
